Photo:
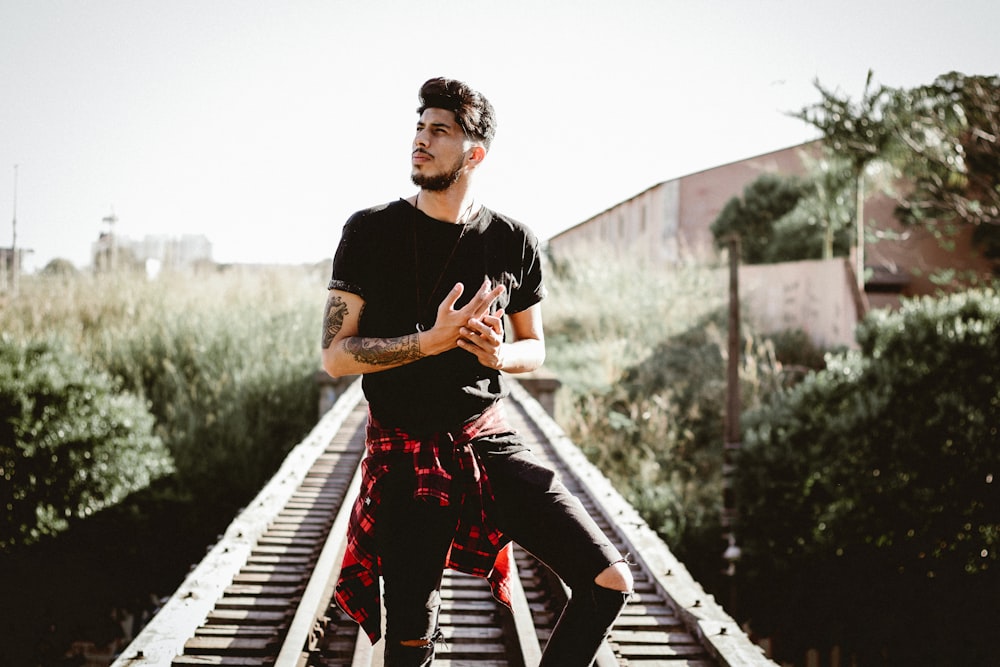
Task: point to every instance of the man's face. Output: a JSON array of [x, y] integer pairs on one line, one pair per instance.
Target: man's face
[[440, 148]]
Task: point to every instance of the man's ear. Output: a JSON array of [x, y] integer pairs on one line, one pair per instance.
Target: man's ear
[[477, 154]]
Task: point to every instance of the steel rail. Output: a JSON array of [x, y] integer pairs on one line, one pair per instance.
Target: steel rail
[[263, 595], [319, 590], [162, 640], [714, 630]]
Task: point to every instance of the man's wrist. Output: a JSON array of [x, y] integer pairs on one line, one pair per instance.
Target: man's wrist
[[502, 356], [426, 343]]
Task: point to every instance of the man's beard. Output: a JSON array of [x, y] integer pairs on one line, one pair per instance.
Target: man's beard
[[438, 182]]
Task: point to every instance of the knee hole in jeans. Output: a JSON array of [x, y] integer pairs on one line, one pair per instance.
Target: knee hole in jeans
[[615, 577]]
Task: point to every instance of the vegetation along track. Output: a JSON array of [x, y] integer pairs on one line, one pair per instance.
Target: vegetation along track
[[262, 594]]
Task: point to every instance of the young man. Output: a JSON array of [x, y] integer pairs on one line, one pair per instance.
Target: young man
[[417, 302]]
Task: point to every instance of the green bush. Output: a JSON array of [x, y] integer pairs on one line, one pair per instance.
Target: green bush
[[796, 354], [872, 486], [71, 443]]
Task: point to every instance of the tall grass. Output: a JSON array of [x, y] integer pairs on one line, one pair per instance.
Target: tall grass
[[225, 361], [641, 352], [604, 313], [228, 368]]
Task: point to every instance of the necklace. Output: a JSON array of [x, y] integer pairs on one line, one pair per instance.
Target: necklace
[[422, 304]]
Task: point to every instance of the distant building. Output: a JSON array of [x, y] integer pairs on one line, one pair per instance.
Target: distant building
[[671, 221], [153, 253], [11, 267]]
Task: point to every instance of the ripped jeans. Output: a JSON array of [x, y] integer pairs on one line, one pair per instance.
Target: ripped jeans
[[536, 511]]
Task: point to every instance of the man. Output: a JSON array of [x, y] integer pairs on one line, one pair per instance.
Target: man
[[417, 303]]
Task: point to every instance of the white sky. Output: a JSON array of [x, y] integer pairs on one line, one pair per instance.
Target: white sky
[[264, 124]]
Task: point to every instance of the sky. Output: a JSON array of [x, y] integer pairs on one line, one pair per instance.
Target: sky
[[263, 124]]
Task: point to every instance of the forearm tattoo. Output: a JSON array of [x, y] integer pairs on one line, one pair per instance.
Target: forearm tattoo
[[384, 351], [333, 319]]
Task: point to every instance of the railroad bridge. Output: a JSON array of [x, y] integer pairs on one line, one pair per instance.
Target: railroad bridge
[[262, 595]]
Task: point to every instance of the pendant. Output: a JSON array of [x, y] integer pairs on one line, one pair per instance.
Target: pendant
[[420, 327]]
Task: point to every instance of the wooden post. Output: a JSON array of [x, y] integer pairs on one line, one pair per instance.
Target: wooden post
[[859, 225], [330, 389], [731, 445], [542, 385]]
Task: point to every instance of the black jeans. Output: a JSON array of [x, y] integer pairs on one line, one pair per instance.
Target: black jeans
[[535, 510]]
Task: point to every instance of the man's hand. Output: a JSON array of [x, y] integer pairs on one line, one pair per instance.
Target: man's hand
[[447, 330], [483, 337]]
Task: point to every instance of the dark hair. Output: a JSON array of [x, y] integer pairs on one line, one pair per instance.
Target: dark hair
[[473, 112]]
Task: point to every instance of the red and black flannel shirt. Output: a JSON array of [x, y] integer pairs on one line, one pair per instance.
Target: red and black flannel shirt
[[478, 547]]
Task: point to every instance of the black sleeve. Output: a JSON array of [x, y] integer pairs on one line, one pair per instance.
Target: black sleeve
[[531, 288], [348, 262]]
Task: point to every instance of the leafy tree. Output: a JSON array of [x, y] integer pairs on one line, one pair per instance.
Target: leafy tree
[[943, 139], [70, 443], [755, 216], [784, 218], [868, 491], [819, 225], [949, 133], [855, 132], [806, 233]]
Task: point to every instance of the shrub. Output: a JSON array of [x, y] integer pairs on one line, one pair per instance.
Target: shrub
[[796, 354], [71, 443], [61, 268], [872, 486]]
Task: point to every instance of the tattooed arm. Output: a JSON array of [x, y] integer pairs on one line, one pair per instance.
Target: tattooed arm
[[346, 353]]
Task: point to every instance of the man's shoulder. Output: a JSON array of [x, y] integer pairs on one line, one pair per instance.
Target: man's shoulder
[[500, 222], [380, 211]]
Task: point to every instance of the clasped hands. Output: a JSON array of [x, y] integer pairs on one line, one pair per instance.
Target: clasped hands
[[472, 327]]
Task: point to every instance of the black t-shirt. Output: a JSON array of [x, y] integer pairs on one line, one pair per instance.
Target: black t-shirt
[[403, 263]]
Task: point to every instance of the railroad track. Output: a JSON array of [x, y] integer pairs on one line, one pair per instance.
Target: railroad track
[[262, 595]]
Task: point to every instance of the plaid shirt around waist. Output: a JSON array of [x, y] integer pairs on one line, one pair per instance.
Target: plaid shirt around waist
[[478, 547]]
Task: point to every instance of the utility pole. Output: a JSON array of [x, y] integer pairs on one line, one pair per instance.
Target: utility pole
[[732, 443], [14, 254], [111, 220]]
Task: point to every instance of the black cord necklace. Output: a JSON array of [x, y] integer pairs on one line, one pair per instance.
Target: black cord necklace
[[421, 303]]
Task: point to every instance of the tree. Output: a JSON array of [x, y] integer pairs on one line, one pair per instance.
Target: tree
[[949, 133], [754, 217], [826, 206], [855, 132]]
